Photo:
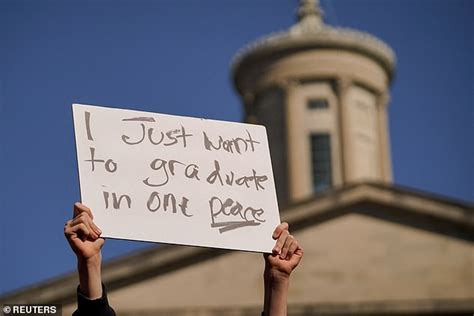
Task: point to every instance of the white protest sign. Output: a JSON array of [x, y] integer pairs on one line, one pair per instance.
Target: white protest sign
[[178, 180]]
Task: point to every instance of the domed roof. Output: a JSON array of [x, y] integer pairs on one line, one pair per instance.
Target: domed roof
[[311, 32]]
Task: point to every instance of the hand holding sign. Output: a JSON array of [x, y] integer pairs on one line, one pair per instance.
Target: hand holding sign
[[179, 180], [84, 238], [82, 234]]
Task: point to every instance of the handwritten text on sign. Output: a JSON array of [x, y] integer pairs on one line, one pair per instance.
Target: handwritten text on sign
[[178, 180]]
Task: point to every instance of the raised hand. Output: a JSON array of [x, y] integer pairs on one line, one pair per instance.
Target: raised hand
[[279, 265], [286, 254], [82, 234], [84, 238]]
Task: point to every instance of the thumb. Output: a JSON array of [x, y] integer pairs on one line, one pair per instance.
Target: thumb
[[99, 242]]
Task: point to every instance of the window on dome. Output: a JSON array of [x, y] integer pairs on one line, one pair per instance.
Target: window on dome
[[321, 161], [317, 104]]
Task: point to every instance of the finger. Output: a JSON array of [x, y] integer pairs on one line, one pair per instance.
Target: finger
[[96, 228], [81, 217], [67, 227], [80, 230], [292, 249], [280, 242], [91, 223], [80, 208], [85, 219], [279, 229], [93, 229], [299, 252], [100, 242], [297, 257], [288, 242]]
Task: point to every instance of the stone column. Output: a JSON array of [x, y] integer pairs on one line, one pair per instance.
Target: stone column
[[342, 87], [295, 140], [248, 99], [384, 139]]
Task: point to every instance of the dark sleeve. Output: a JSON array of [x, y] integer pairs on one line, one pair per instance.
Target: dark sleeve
[[97, 307]]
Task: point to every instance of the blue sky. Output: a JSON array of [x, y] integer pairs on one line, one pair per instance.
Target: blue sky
[[174, 57]]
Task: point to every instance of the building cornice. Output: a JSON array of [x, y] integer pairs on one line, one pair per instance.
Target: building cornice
[[325, 38]]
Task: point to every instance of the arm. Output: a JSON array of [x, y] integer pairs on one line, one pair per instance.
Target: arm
[[279, 265], [84, 238]]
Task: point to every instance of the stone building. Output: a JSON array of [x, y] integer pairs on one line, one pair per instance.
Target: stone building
[[371, 247], [322, 93]]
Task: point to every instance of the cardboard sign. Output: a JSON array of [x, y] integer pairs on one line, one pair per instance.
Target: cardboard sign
[[178, 180]]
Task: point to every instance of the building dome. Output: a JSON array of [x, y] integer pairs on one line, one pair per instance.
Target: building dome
[[322, 94], [310, 32]]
